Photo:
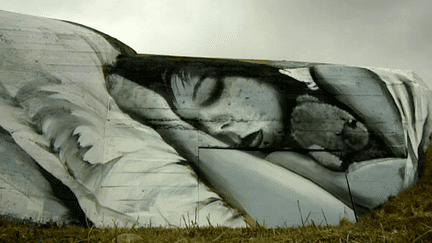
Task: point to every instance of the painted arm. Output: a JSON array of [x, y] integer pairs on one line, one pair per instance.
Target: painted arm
[[371, 182], [366, 94]]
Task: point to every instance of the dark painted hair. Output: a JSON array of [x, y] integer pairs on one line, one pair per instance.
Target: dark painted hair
[[154, 72]]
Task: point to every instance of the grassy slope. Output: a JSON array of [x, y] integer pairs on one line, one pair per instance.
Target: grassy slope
[[405, 218]]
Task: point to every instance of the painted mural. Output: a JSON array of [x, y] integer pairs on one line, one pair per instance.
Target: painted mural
[[93, 133]]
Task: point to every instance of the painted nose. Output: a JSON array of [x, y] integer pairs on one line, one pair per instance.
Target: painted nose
[[222, 127]]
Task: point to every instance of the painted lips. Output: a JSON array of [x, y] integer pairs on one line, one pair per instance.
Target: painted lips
[[252, 140]]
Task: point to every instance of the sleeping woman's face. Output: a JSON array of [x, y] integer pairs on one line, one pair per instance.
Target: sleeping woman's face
[[240, 111]]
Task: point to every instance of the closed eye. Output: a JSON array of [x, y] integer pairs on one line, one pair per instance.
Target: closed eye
[[207, 91]]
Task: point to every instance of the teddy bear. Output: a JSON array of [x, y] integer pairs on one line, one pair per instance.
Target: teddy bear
[[332, 136]]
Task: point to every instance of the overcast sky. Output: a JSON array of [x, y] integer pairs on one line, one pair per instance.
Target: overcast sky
[[392, 34]]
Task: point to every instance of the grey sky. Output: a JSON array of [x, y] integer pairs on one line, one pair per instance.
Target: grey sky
[[393, 34]]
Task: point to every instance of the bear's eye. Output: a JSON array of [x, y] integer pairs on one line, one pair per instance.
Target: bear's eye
[[352, 123]]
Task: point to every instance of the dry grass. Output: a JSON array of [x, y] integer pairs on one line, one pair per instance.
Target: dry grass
[[405, 218]]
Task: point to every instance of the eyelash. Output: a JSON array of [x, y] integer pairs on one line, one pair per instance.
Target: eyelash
[[215, 94]]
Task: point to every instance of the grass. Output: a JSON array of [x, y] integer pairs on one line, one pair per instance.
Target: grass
[[405, 218]]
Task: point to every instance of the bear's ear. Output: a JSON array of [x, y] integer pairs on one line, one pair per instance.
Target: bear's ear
[[367, 95], [307, 98]]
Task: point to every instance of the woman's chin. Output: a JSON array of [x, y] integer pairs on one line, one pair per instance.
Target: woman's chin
[[271, 140]]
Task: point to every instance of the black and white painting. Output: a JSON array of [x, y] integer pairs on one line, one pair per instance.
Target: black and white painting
[[94, 133]]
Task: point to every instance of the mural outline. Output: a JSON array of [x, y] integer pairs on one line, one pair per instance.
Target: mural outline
[[61, 120]]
